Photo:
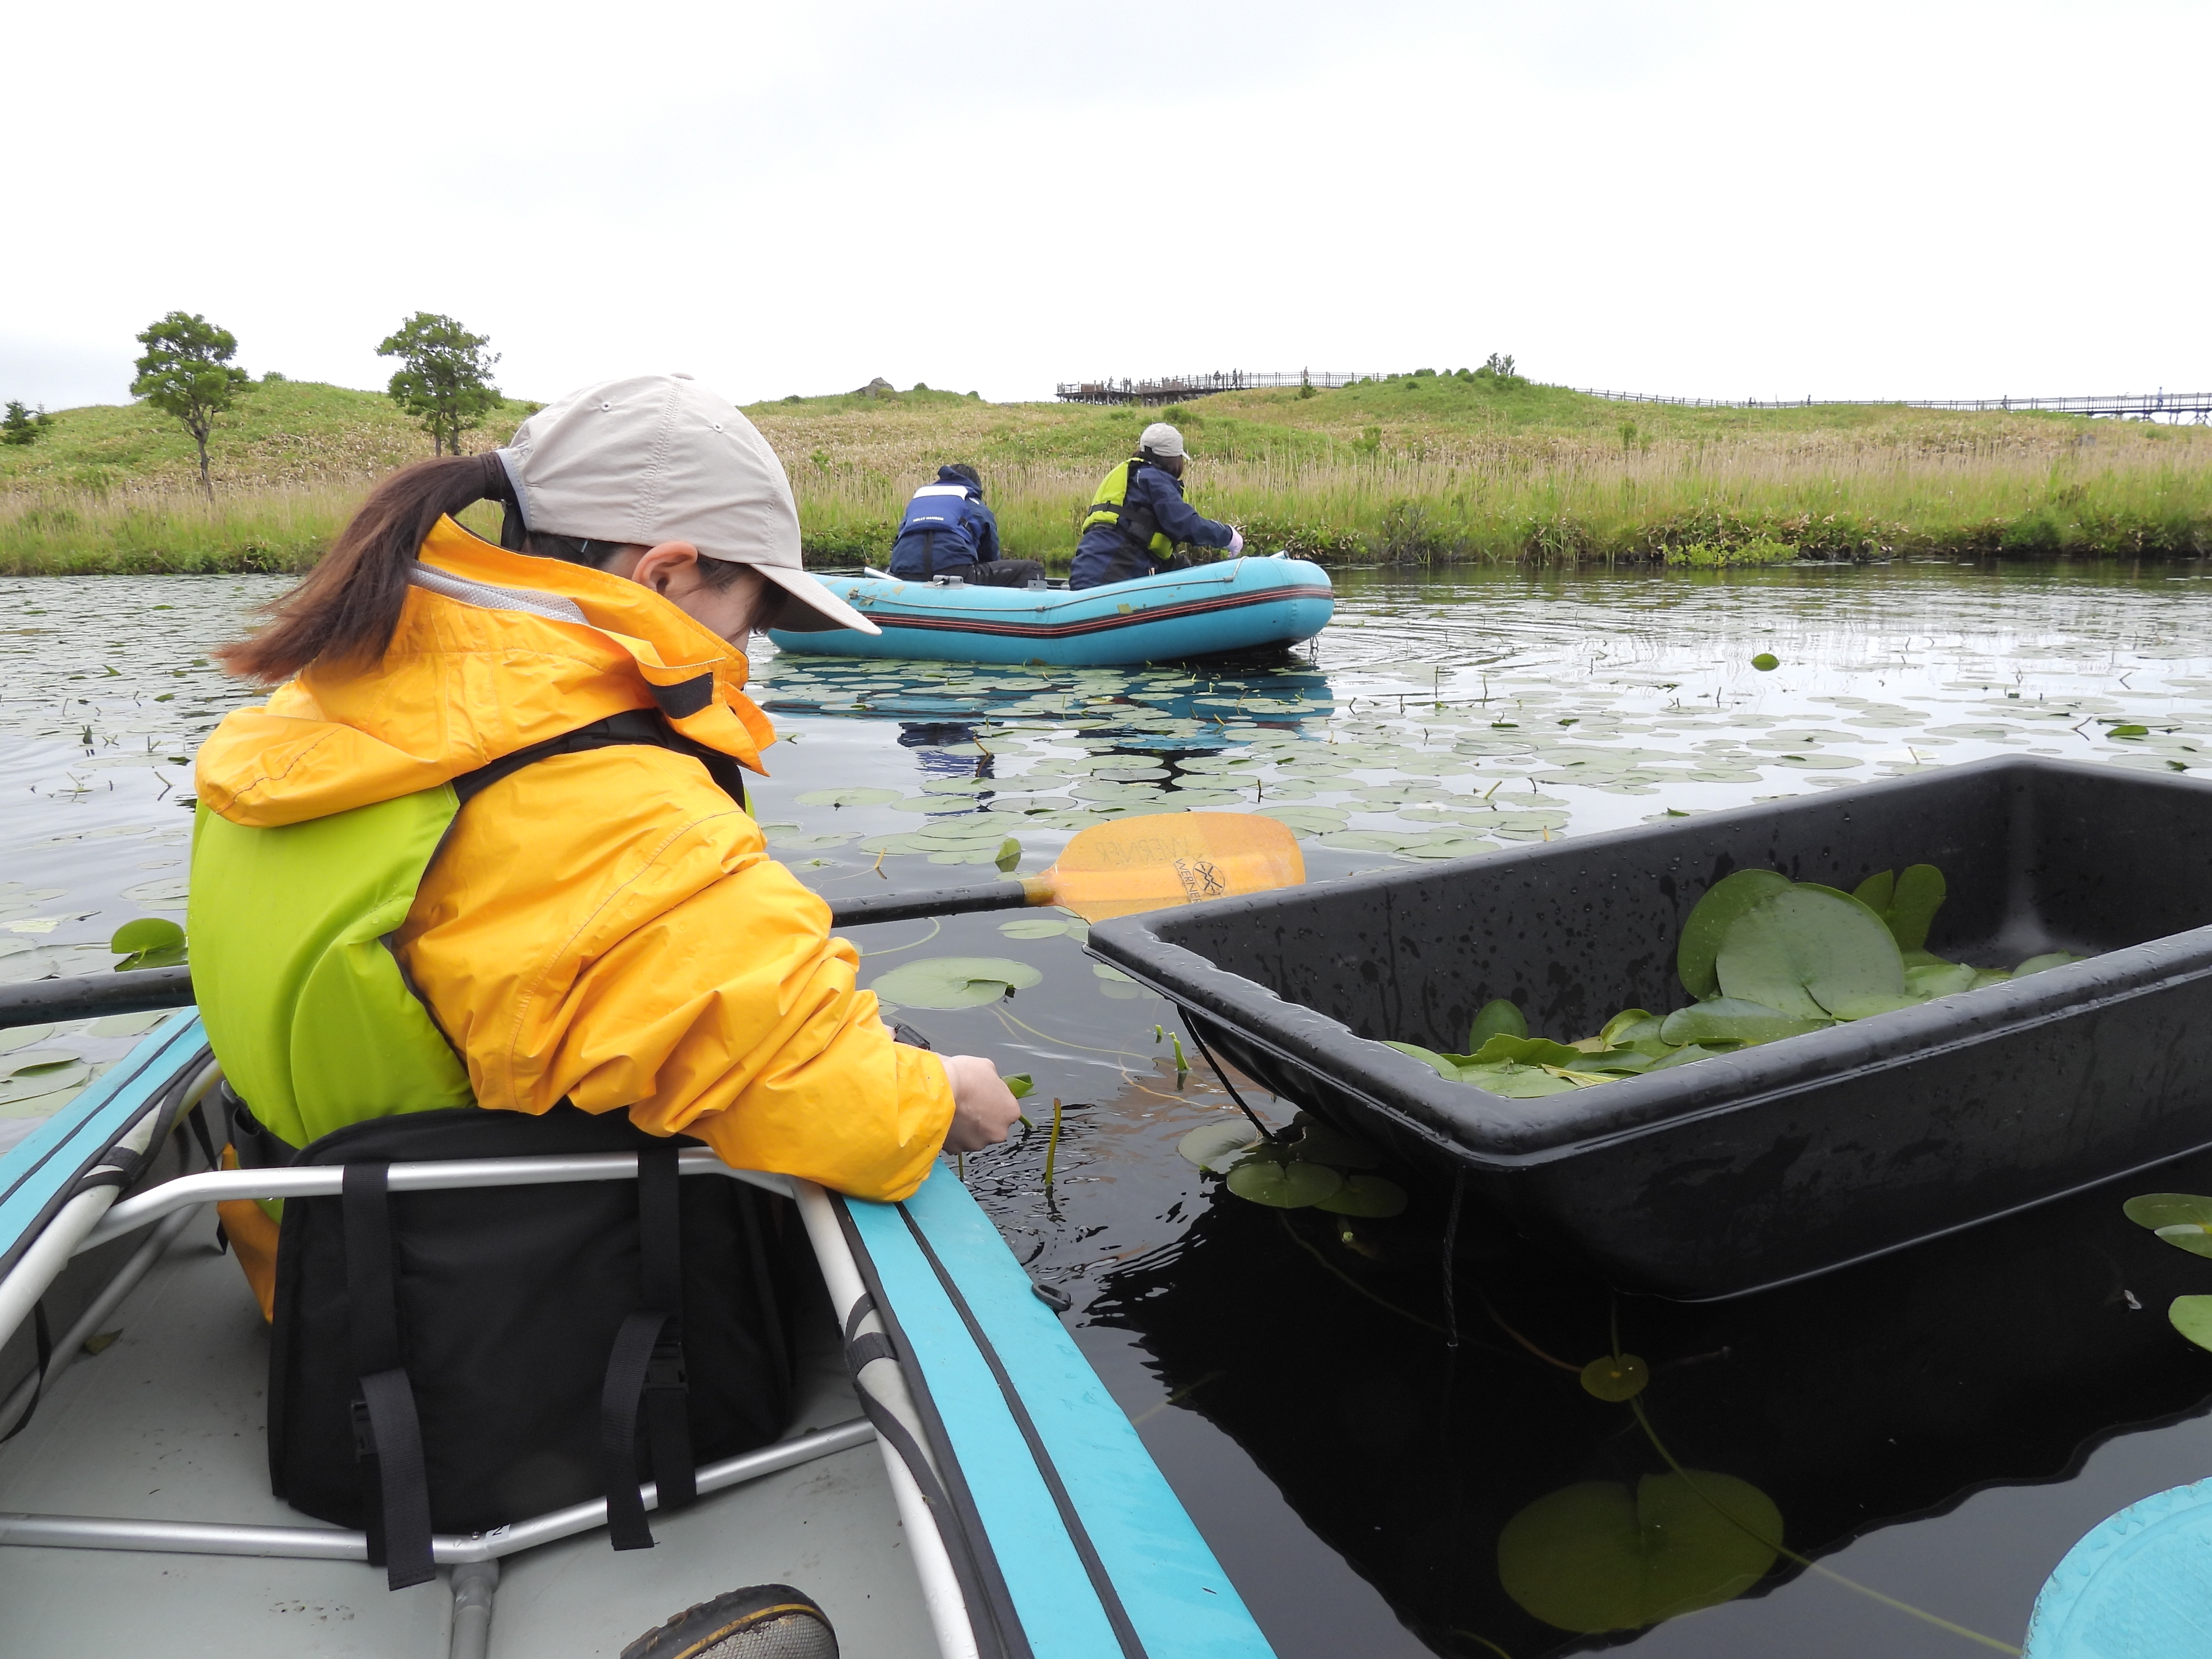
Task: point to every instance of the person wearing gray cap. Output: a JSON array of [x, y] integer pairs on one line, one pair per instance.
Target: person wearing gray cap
[[1138, 515], [524, 761]]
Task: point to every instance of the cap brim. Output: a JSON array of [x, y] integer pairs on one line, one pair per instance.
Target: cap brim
[[815, 609]]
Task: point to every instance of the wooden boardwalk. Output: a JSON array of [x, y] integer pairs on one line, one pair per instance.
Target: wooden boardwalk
[[2196, 407], [2124, 405]]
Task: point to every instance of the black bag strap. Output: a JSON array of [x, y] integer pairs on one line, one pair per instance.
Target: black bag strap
[[634, 726], [645, 1371], [387, 1434]]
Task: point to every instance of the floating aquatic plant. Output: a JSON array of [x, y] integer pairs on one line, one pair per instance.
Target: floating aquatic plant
[[1315, 1165], [149, 942], [955, 981], [1597, 1557], [1767, 958]]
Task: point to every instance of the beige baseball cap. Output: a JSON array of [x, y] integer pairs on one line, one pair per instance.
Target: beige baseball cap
[[658, 458]]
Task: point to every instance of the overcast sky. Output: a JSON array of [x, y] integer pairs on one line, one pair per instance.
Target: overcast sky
[[1720, 200]]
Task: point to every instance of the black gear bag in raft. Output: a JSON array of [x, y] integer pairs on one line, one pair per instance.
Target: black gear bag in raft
[[459, 1360]]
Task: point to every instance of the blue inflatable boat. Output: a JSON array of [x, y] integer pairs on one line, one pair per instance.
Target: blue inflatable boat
[[1237, 604]]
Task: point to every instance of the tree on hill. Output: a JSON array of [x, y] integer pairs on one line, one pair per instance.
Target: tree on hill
[[186, 372], [24, 426], [444, 380]]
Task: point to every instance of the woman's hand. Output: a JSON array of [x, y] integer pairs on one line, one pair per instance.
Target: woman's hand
[[984, 1110]]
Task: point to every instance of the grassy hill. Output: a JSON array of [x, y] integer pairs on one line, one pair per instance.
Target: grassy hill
[[1417, 469]]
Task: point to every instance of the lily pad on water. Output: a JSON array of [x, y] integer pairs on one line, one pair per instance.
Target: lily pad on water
[[1595, 1556], [1042, 927], [1367, 1195], [1115, 983], [149, 942], [1616, 1377], [847, 797], [1283, 1184], [54, 1076], [955, 981], [2193, 1316], [1324, 1143], [1218, 1148]]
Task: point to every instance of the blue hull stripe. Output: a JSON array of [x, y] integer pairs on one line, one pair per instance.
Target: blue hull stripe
[[36, 1175], [1044, 1444]]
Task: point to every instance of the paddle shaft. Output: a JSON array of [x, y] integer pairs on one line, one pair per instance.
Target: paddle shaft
[[941, 901], [85, 995]]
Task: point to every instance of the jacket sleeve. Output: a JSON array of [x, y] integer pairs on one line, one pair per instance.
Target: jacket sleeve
[[659, 960], [1178, 520], [986, 533]]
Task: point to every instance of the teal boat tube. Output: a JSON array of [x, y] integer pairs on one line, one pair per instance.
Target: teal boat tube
[[955, 1480], [1237, 604]]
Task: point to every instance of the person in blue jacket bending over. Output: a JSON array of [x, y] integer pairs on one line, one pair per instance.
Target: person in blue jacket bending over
[[948, 532], [1139, 515]]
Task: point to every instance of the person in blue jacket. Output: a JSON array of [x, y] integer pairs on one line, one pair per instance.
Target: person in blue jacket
[[1139, 515], [948, 532]]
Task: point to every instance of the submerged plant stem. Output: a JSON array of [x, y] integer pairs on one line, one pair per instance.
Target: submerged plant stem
[[1331, 1268], [1776, 1544]]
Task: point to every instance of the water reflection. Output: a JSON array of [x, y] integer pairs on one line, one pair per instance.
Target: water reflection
[[1921, 1424]]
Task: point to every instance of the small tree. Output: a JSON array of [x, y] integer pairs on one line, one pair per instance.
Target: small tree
[[186, 372], [24, 426], [445, 378]]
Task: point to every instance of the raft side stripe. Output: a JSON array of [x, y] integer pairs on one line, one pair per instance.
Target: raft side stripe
[[983, 1583], [110, 1104], [1135, 618], [991, 1612], [1101, 1582]]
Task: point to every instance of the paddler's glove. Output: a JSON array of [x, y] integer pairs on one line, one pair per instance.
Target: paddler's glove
[[1236, 540]]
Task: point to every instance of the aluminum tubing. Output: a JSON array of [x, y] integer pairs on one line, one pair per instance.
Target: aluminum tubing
[[41, 1264], [85, 1532], [325, 1181], [88, 1532], [474, 1584], [933, 1565], [557, 1524], [72, 1343]]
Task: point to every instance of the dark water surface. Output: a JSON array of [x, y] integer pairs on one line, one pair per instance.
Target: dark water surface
[[1935, 1429]]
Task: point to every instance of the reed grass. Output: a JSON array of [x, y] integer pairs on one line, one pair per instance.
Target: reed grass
[[1410, 472]]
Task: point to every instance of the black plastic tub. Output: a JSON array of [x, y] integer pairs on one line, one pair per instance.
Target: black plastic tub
[[1750, 1170]]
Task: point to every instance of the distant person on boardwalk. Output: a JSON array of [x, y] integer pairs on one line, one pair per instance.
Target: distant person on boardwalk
[[948, 532], [1139, 514]]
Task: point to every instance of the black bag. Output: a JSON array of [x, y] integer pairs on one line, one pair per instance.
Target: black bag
[[459, 1360]]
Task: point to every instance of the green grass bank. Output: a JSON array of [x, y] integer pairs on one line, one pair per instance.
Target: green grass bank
[[1424, 469]]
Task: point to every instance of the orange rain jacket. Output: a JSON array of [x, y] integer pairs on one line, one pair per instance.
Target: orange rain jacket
[[605, 926]]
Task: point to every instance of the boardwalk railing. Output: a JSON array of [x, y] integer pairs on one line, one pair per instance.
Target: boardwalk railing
[[1175, 388], [2147, 405]]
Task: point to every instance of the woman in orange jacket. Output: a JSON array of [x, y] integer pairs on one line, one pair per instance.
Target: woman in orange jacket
[[602, 925]]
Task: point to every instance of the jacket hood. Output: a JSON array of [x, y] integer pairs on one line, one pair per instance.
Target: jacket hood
[[502, 652], [946, 475]]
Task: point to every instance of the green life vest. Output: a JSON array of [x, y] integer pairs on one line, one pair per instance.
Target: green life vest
[[304, 1001], [1137, 524], [292, 968]]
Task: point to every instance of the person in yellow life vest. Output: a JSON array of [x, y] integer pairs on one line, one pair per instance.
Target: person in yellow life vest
[[485, 842], [1138, 515]]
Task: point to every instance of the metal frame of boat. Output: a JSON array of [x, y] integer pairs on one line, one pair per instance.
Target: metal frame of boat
[[1036, 1522], [1235, 605]]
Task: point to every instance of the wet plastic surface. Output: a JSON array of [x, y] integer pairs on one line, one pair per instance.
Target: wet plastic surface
[[1753, 1168]]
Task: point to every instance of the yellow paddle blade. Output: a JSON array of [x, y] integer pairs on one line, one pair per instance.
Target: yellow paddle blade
[[1165, 858]]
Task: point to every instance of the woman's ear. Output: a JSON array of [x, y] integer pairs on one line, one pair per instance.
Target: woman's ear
[[671, 564]]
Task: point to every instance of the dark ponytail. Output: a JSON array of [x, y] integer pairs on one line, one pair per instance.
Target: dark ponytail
[[348, 607]]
